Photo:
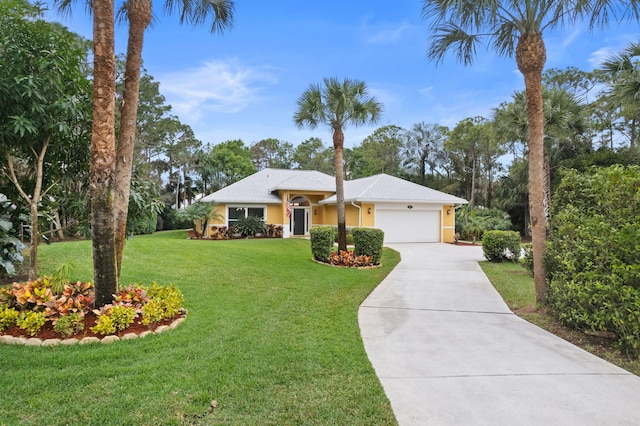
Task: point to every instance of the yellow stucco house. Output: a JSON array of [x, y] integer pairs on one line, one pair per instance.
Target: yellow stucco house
[[296, 200]]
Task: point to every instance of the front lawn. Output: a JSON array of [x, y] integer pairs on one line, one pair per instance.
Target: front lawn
[[517, 288], [272, 338]]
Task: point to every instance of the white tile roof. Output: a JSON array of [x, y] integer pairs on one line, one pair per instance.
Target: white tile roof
[[261, 186], [385, 188]]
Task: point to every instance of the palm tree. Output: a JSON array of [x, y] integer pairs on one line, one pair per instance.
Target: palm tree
[[112, 164], [625, 85], [200, 213], [336, 105], [424, 145], [103, 150], [516, 28]]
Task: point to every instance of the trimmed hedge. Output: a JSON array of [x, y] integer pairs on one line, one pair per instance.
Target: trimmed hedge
[[368, 242], [321, 242], [501, 245], [593, 256]]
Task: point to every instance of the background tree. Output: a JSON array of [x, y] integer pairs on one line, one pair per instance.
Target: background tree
[[471, 141], [231, 162], [424, 148], [336, 105], [271, 153], [624, 88], [516, 29], [311, 154], [43, 116], [379, 153]]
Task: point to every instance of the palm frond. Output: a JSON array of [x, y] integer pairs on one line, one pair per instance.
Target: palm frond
[[452, 37], [197, 12]]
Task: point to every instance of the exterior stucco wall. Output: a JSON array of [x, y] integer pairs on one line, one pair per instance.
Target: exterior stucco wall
[[448, 223]]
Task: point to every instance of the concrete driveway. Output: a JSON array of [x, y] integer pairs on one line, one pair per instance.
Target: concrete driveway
[[448, 351]]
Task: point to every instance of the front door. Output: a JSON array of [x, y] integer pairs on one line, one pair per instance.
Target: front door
[[299, 217]]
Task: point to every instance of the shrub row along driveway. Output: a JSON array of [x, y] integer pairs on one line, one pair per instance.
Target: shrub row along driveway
[[448, 351]]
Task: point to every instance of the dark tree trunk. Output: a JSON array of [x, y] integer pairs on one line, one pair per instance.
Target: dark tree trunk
[[103, 153]]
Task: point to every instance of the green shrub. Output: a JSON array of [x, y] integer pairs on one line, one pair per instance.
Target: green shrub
[[322, 238], [104, 325], [153, 311], [250, 226], [171, 220], [501, 245], [8, 317], [592, 255], [142, 225], [31, 321], [368, 242], [122, 316], [10, 247], [68, 325], [170, 299]]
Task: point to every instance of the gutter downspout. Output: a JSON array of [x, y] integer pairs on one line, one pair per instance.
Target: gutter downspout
[[359, 213]]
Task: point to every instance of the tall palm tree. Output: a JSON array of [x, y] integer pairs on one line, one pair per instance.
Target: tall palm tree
[[103, 149], [336, 105], [138, 14], [112, 164], [516, 28], [625, 85]]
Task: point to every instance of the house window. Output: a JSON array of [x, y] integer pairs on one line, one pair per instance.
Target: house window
[[235, 213]]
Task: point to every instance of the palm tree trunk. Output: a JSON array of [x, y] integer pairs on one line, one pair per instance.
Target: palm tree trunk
[[139, 14], [338, 146], [530, 57], [472, 199], [103, 153]]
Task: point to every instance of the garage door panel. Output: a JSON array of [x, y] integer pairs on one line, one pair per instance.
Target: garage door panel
[[408, 226]]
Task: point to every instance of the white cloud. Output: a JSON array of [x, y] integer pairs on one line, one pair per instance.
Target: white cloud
[[216, 86], [571, 37], [427, 92], [385, 34], [384, 96], [599, 56]]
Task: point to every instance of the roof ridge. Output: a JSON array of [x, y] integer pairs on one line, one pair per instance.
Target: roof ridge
[[377, 179]]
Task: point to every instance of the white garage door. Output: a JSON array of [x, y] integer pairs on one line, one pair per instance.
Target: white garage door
[[409, 226]]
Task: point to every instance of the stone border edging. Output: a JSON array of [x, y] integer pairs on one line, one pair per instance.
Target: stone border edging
[[35, 341]]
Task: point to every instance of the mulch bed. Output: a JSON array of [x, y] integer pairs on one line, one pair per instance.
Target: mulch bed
[[46, 332]]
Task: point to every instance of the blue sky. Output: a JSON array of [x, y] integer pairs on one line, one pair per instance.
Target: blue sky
[[244, 83]]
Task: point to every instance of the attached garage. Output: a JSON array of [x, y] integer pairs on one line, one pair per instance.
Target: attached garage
[[403, 225]]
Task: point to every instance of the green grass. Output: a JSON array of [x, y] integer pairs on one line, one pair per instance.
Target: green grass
[[271, 336], [513, 282], [516, 286]]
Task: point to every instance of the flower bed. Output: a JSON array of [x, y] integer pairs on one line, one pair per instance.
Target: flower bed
[[37, 310]]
